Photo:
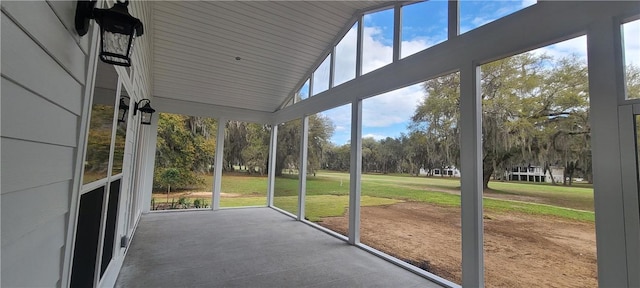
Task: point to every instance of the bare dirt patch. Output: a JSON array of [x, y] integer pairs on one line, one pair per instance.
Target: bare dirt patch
[[521, 250]]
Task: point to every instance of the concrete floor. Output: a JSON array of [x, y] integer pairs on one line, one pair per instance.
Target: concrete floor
[[254, 247]]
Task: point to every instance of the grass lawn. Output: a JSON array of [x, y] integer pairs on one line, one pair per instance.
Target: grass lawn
[[574, 197], [327, 194], [318, 206]]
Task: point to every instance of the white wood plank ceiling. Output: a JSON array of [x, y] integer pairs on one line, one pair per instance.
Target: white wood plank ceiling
[[195, 47]]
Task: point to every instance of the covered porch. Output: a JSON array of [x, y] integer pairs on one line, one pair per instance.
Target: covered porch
[[79, 178], [249, 247]]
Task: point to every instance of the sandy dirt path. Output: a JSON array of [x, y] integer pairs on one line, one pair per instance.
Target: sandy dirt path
[[521, 250]]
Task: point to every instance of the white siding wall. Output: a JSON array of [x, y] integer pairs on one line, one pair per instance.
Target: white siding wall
[[44, 68]]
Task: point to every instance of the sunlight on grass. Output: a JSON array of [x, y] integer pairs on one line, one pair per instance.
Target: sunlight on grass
[[243, 202], [327, 194], [319, 206], [537, 209]]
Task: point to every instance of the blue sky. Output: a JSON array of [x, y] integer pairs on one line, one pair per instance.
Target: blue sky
[[424, 25]]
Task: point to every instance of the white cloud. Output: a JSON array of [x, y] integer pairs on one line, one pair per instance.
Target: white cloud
[[375, 54], [631, 36], [384, 110], [321, 77], [340, 116], [416, 45], [527, 3], [576, 46], [346, 58], [340, 128], [479, 21], [391, 108], [503, 11], [374, 136]]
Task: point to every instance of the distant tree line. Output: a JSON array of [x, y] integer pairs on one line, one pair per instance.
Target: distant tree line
[[535, 112]]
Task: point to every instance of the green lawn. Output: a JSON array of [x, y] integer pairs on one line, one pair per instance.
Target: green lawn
[[559, 201], [318, 206], [327, 194], [580, 197]]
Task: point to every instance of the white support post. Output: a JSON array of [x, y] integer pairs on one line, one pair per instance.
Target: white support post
[[271, 174], [397, 30], [332, 68], [81, 147], [628, 147], [454, 19], [359, 46], [471, 183], [302, 168], [149, 165], [217, 175], [605, 88], [355, 172]]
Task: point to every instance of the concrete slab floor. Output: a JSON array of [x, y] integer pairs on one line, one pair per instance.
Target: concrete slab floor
[[254, 247]]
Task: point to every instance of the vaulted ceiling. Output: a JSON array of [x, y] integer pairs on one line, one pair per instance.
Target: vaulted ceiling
[[196, 45]]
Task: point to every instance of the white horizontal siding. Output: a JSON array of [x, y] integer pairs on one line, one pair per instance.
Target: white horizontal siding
[[60, 44], [142, 54], [30, 164], [66, 11], [28, 116], [25, 62], [35, 260], [43, 71], [50, 201]]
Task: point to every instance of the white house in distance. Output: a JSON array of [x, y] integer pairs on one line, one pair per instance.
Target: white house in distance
[[64, 225], [535, 174], [451, 171]]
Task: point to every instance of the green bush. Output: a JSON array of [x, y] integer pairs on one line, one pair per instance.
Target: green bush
[[185, 202], [176, 178]]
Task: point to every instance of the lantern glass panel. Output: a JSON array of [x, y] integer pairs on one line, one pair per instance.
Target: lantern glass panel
[[146, 118], [116, 48]]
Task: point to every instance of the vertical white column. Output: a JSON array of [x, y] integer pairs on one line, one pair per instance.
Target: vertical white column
[[359, 46], [454, 19], [81, 147], [355, 172], [302, 170], [271, 176], [217, 175], [332, 68], [397, 30], [629, 167], [471, 172], [149, 163], [605, 88]]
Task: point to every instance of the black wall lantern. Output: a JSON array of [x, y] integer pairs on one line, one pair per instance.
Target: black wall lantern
[[123, 108], [118, 30], [146, 111]]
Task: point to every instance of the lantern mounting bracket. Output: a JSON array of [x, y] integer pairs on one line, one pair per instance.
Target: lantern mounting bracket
[[84, 13], [118, 29]]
